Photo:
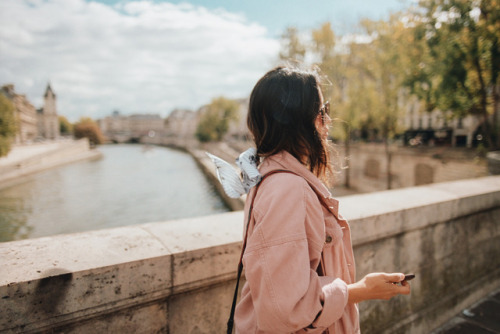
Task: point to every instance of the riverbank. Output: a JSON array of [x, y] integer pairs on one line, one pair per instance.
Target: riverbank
[[208, 168], [198, 151], [25, 160], [228, 152]]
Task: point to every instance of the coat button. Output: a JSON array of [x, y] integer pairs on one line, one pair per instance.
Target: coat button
[[328, 239]]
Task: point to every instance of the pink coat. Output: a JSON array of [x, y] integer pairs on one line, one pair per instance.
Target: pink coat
[[289, 229]]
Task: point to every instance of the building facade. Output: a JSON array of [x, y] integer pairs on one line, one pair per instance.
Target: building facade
[[146, 125], [116, 128], [439, 128], [47, 119], [27, 128], [181, 124], [120, 129]]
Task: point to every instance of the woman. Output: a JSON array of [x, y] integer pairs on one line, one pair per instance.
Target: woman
[[298, 260]]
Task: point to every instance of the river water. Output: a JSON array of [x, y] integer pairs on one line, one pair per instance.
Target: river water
[[131, 184]]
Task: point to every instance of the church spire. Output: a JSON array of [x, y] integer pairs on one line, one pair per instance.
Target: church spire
[[49, 90]]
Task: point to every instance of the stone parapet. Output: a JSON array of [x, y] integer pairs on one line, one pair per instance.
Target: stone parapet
[[493, 162], [448, 234], [368, 166], [178, 276]]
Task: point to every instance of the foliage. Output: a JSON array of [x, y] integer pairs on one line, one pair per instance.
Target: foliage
[[293, 49], [444, 52], [87, 128], [364, 81], [459, 69], [330, 64], [7, 124], [335, 73], [215, 119], [65, 126], [383, 64]]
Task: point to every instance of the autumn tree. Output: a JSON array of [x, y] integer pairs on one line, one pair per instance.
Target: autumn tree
[[88, 128], [7, 124], [371, 83], [364, 80], [459, 67], [293, 50], [333, 72], [215, 119]]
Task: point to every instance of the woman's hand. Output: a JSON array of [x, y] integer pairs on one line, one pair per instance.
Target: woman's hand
[[378, 286]]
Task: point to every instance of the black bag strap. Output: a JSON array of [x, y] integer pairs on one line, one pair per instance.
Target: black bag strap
[[230, 322]]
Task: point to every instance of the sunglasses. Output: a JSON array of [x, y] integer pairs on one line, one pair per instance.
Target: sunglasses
[[325, 111]]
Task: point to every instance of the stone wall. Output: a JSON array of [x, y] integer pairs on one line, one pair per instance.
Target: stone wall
[[178, 276], [28, 159], [494, 162], [448, 234], [409, 166]]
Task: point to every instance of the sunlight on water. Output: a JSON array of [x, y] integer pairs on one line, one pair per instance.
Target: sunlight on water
[[131, 184]]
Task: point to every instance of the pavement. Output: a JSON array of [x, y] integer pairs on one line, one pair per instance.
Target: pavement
[[483, 317]]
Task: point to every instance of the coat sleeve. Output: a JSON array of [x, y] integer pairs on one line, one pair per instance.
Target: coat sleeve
[[287, 293]]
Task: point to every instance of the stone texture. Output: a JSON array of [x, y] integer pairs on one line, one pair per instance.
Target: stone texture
[[178, 276]]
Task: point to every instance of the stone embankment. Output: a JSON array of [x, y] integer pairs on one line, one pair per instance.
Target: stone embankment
[[28, 159], [198, 151], [225, 152]]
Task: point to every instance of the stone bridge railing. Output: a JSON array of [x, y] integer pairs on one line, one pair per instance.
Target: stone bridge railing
[[178, 276]]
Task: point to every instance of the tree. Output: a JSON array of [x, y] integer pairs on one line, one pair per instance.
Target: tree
[[7, 124], [379, 81], [330, 63], [87, 128], [365, 80], [459, 69], [65, 126], [215, 119], [293, 49], [334, 73]]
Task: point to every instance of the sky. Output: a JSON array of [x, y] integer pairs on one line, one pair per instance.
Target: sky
[[154, 56]]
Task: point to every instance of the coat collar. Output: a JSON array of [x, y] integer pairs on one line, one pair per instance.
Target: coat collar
[[284, 160]]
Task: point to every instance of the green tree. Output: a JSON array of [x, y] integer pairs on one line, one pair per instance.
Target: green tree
[[7, 124], [459, 68], [215, 119], [65, 126], [87, 128]]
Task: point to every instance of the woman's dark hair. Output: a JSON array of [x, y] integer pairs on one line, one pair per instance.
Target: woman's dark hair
[[282, 111]]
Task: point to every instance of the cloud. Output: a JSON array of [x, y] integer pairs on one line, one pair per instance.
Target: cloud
[[136, 57]]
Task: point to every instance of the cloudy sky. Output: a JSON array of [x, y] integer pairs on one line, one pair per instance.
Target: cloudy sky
[[154, 56]]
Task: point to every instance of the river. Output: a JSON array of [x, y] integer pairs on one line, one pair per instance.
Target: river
[[131, 184]]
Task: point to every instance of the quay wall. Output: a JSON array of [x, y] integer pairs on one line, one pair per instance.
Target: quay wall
[[178, 276], [409, 166], [368, 163], [25, 160]]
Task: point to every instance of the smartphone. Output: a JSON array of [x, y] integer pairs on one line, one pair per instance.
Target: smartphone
[[409, 277]]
